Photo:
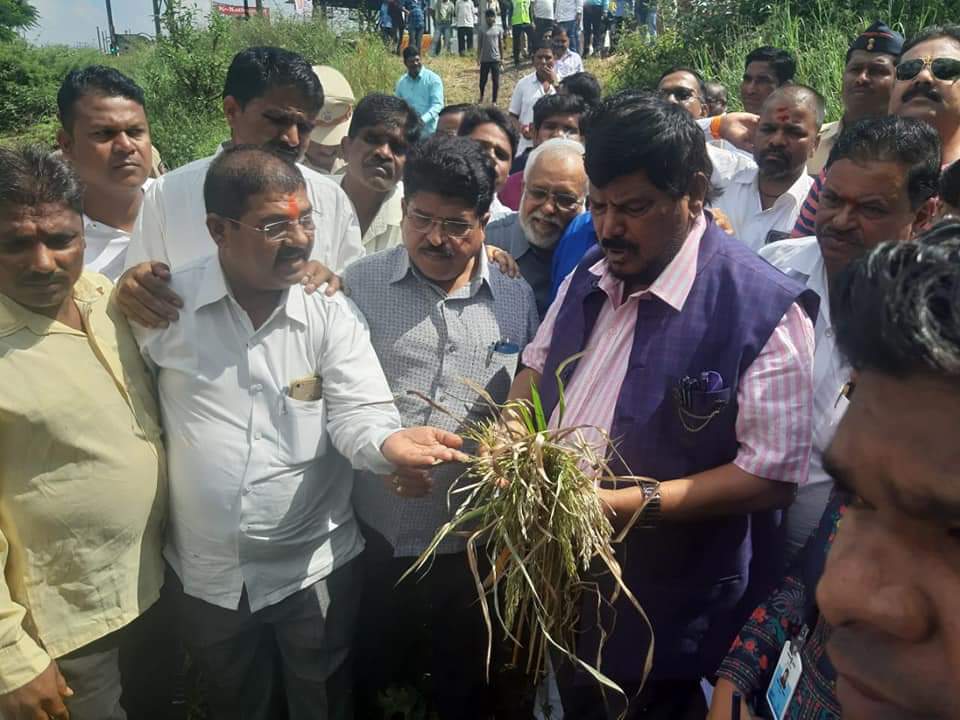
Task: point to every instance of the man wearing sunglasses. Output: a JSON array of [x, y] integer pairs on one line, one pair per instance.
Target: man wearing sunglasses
[[271, 98], [925, 88], [439, 314], [555, 185], [270, 397]]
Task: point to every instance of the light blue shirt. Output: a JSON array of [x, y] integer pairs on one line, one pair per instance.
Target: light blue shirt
[[425, 95]]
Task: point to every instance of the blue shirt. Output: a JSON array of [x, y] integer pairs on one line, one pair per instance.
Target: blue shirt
[[573, 245], [385, 20], [424, 94], [415, 8]]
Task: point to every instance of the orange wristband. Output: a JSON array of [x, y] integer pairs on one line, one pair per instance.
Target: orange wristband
[[715, 127]]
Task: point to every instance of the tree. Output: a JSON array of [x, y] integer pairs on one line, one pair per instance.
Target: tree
[[16, 15]]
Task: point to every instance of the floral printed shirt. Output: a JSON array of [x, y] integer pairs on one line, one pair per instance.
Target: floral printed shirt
[[781, 617]]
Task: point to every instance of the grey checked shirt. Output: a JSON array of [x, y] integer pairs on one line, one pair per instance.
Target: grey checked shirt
[[429, 341]]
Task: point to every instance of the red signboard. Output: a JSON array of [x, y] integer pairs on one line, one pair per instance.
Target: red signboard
[[237, 10]]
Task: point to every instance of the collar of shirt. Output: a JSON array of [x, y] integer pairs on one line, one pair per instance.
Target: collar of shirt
[[673, 284], [796, 193], [801, 259], [214, 288], [390, 213], [481, 276], [89, 289]]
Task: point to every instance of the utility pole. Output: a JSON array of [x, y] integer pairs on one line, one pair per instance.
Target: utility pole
[[156, 17], [110, 28], [246, 9], [260, 8]]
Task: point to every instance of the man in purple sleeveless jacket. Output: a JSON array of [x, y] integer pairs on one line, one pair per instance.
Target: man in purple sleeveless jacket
[[698, 361]]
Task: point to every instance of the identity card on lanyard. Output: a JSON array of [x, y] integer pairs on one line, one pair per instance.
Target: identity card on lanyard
[[786, 676]]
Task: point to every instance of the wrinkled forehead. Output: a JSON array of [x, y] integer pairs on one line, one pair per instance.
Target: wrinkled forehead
[[945, 47]]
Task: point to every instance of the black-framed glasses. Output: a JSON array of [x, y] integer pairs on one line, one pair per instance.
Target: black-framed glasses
[[563, 201], [455, 229], [942, 68], [280, 231]]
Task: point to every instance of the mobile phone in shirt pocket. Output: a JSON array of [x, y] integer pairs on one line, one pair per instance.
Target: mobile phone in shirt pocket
[[303, 427]]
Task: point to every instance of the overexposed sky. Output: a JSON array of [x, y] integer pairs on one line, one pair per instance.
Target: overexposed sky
[[72, 22]]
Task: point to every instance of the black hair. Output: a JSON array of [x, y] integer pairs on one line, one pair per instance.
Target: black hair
[[453, 167], [585, 85], [950, 184], [242, 171], [484, 114], [32, 176], [550, 105], [410, 51], [905, 141], [455, 108], [801, 94], [783, 63], [636, 131], [389, 110], [556, 29], [719, 87], [897, 309], [490, 13], [690, 71], [933, 32], [94, 80], [255, 71]]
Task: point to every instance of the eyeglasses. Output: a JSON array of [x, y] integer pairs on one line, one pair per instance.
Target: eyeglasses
[[942, 68], [563, 201], [280, 231], [454, 229], [681, 94]]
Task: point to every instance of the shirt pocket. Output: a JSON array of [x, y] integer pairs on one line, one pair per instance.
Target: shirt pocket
[[303, 430]]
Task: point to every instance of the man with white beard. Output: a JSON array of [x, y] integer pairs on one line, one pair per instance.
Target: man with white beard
[[555, 185]]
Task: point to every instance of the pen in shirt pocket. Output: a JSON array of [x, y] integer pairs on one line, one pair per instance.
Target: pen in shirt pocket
[[504, 346]]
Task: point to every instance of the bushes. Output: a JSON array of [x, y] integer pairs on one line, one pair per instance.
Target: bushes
[[182, 76], [714, 36]]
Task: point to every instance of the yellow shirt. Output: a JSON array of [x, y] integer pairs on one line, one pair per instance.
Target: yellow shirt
[[82, 482]]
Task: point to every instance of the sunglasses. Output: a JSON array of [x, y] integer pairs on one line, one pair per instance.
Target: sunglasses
[[942, 68]]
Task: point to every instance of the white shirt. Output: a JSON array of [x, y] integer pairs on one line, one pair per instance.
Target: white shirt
[[800, 258], [172, 224], [258, 498], [751, 223], [106, 250], [384, 231], [568, 10], [570, 64], [498, 209], [726, 165], [525, 95], [466, 15], [543, 9]]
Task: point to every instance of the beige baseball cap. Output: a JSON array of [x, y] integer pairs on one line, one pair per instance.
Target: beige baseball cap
[[334, 118]]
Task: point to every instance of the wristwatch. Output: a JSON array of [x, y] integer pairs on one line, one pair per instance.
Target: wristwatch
[[650, 515]]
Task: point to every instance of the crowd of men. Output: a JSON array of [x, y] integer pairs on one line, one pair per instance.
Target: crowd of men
[[234, 394]]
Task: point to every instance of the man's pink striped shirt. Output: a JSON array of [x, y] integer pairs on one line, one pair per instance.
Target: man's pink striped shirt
[[775, 395]]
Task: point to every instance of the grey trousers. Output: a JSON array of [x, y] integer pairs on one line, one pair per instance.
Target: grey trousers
[[296, 653], [803, 517], [93, 673]]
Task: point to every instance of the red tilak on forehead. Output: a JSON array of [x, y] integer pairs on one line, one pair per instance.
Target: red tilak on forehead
[[293, 210], [782, 113]]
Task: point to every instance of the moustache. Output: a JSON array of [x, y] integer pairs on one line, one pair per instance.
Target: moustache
[[440, 252], [45, 278], [287, 254], [614, 244], [284, 150], [537, 215], [385, 166], [774, 155], [922, 91]]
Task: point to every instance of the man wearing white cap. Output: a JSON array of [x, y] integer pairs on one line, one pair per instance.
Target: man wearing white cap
[[324, 153]]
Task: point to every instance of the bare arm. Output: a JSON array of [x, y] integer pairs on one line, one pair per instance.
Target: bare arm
[[724, 490]]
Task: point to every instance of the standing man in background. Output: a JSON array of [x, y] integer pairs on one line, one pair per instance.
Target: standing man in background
[[764, 70], [416, 21], [594, 12], [530, 88], [323, 152], [443, 35], [543, 18], [521, 26], [105, 136], [645, 12], [466, 19], [421, 88], [569, 13], [490, 53]]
